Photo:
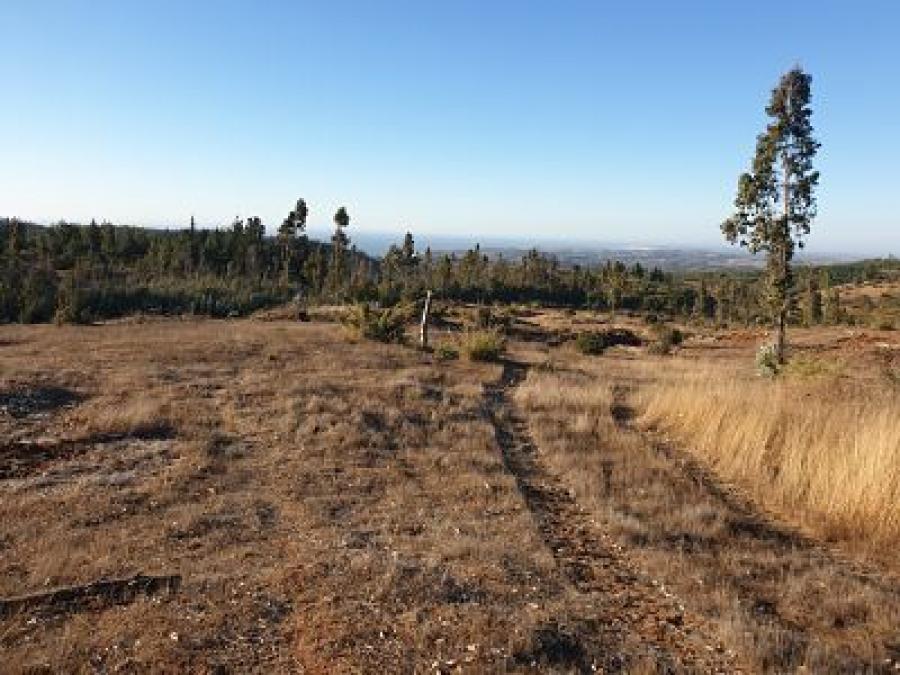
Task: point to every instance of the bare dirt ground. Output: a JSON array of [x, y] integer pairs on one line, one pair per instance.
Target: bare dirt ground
[[274, 497]]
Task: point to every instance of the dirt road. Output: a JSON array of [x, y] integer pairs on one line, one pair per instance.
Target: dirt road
[[629, 619]]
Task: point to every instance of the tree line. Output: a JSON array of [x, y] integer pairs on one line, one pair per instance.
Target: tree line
[[724, 298], [75, 273]]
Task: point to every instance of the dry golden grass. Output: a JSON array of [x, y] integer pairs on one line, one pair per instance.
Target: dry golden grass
[[777, 598], [819, 447], [130, 415]]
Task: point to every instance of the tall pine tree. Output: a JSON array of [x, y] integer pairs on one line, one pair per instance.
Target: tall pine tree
[[340, 243], [775, 201]]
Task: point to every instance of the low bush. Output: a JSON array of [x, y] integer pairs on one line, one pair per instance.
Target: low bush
[[381, 325], [408, 312], [446, 352], [483, 317], [485, 345], [665, 338], [590, 343], [486, 317], [767, 363], [596, 342], [624, 337]]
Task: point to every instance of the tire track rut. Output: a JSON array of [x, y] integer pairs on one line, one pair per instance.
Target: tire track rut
[[632, 620]]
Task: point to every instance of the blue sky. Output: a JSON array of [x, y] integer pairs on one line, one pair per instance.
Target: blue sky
[[623, 122]]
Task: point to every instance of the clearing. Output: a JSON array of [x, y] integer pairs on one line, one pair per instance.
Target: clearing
[[271, 496]]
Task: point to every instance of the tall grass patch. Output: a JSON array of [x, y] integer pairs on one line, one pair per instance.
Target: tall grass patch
[[820, 448], [483, 345]]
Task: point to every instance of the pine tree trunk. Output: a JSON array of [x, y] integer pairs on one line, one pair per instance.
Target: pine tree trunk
[[781, 301], [780, 338]]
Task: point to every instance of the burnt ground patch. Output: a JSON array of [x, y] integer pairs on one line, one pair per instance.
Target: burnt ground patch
[[94, 596], [18, 459], [556, 646], [27, 401], [23, 458]]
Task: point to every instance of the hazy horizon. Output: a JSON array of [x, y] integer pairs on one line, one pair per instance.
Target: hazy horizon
[[376, 242]]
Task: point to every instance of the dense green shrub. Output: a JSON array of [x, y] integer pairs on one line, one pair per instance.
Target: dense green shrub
[[597, 342], [381, 325], [592, 343]]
